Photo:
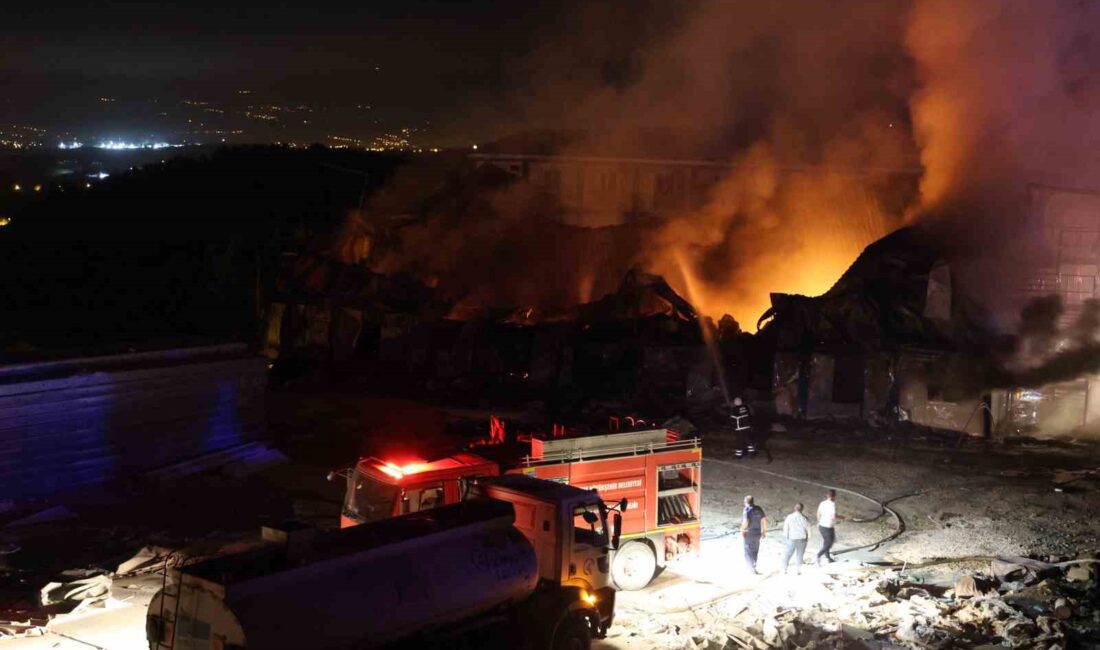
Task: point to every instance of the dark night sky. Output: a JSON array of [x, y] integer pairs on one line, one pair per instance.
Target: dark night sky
[[165, 39], [412, 60]]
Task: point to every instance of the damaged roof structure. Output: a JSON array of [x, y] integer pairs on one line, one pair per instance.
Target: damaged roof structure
[[883, 342], [899, 338]]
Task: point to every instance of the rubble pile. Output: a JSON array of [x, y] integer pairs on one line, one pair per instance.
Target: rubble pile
[[1015, 603], [74, 592]]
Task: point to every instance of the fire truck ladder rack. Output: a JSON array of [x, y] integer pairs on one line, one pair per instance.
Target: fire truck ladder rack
[[577, 455], [673, 505]]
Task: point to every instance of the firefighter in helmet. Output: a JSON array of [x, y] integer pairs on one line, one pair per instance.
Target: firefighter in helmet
[[741, 417]]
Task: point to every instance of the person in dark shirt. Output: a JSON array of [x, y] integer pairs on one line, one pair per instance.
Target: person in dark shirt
[[754, 527]]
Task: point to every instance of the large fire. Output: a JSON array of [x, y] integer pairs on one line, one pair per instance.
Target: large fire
[[820, 108], [769, 230]]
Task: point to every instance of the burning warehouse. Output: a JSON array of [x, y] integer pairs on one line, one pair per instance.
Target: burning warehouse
[[907, 334], [888, 341], [852, 249]]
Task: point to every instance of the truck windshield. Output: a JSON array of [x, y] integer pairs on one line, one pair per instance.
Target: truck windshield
[[368, 499], [593, 534]]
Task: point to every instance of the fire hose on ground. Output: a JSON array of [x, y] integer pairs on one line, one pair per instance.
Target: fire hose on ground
[[884, 508]]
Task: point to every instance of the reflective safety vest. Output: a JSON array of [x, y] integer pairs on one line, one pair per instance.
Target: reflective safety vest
[[741, 417]]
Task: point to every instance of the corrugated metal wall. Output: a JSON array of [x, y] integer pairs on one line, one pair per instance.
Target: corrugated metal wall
[[65, 424]]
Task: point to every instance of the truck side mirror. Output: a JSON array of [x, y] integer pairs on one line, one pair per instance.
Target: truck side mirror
[[622, 505], [616, 530], [590, 518]]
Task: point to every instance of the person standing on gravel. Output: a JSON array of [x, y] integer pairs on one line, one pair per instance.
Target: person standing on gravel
[[826, 520], [796, 528], [754, 527]]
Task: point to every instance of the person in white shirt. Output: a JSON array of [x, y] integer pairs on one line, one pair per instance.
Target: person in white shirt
[[796, 528], [826, 520]]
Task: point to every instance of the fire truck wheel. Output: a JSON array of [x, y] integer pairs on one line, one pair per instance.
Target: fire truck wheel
[[633, 566], [573, 634]]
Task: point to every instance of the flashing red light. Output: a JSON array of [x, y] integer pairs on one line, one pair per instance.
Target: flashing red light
[[399, 472]]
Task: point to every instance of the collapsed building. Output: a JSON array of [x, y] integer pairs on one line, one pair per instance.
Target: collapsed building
[[640, 343], [898, 337], [888, 340], [324, 310], [489, 280]]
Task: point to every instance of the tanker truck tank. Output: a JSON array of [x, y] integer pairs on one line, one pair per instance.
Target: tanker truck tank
[[361, 587]]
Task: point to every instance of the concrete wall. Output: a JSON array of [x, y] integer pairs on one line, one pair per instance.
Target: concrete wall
[[822, 402], [870, 380], [70, 423], [925, 396]]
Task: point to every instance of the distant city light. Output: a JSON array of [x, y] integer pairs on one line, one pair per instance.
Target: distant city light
[[37, 188], [87, 185], [121, 144], [17, 187], [4, 221], [100, 175], [475, 147], [72, 145]]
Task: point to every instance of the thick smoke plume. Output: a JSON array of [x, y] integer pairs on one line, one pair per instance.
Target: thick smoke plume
[[780, 87], [1009, 94], [800, 99], [825, 112], [1049, 348]]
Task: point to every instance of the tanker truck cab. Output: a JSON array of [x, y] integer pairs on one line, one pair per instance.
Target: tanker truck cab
[[568, 527]]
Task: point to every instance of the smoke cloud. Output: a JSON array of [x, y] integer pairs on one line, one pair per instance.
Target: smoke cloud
[[828, 115], [1049, 348], [800, 99], [1009, 93]]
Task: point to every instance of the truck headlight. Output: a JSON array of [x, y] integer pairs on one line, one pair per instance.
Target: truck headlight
[[588, 597]]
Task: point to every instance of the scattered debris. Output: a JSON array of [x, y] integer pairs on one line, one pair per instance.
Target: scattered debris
[[95, 588], [971, 587], [1012, 568], [149, 558], [1081, 573], [865, 609], [1064, 477]]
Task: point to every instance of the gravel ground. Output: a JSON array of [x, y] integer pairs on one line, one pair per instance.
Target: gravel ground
[[954, 502]]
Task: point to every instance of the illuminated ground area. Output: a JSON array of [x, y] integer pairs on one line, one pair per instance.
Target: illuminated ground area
[[954, 501]]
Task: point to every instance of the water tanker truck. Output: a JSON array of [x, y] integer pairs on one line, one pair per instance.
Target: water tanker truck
[[657, 472], [523, 552]]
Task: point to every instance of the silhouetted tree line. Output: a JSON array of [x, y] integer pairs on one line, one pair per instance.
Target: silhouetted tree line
[[170, 252]]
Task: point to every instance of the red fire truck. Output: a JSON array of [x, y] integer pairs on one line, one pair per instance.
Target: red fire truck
[[656, 473]]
